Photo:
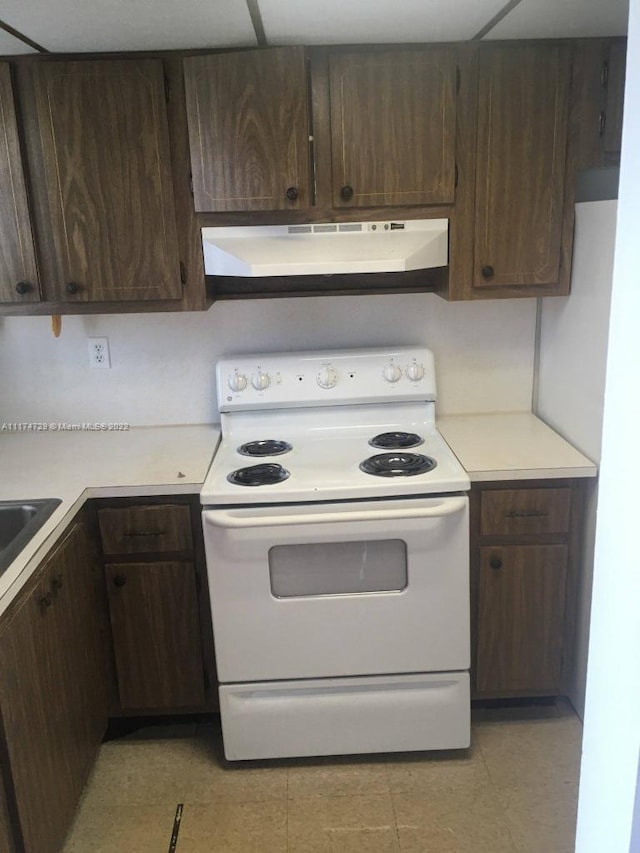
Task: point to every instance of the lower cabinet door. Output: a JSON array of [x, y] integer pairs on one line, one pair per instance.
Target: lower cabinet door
[[52, 694], [156, 634], [520, 618], [6, 833]]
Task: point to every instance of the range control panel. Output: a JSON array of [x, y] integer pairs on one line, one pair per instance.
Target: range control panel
[[327, 377]]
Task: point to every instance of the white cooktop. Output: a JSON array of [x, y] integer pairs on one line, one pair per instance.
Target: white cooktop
[[328, 405], [327, 448]]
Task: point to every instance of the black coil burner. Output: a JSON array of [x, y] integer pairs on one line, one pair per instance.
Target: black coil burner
[[265, 474], [267, 447], [397, 464], [396, 440]]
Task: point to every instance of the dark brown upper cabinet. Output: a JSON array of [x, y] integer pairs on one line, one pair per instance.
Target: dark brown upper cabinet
[[523, 213], [108, 219], [249, 130], [18, 270], [393, 127], [600, 72]]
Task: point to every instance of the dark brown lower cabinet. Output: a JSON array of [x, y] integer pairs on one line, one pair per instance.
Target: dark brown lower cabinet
[[522, 599], [155, 625], [6, 833], [525, 548], [53, 691]]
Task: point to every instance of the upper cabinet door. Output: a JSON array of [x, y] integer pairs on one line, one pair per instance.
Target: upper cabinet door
[[249, 130], [393, 127], [18, 270], [106, 161], [523, 117]]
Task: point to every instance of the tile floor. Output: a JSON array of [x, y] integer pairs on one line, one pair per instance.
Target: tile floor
[[514, 791]]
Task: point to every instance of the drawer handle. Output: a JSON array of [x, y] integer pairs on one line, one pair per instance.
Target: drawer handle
[[145, 532], [536, 513], [119, 580], [495, 563]]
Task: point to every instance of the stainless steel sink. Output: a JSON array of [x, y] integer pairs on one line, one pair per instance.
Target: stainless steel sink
[[19, 520]]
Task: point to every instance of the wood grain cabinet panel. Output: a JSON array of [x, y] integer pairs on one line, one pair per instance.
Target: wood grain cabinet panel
[[393, 127], [521, 617], [614, 77], [145, 529], [249, 130], [52, 692], [18, 269], [156, 634], [106, 162], [7, 844], [525, 562], [600, 74], [523, 125], [513, 512]]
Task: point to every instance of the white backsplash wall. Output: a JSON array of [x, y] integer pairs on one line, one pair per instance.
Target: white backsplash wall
[[163, 364]]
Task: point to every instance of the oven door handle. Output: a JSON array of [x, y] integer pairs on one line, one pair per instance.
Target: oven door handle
[[227, 518]]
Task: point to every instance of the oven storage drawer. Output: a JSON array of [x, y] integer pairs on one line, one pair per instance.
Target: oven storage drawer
[[155, 528], [341, 716]]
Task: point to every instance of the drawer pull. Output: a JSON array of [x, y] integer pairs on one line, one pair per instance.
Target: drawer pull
[[119, 580], [145, 533], [514, 513], [495, 563]]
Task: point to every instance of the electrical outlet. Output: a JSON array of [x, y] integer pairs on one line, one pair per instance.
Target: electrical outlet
[[99, 352]]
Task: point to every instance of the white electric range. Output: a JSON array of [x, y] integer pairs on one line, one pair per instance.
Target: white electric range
[[336, 533]]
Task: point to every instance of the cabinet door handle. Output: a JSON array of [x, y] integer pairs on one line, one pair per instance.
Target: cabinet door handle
[[72, 287], [535, 513], [119, 580], [46, 600], [23, 287], [487, 271], [292, 193], [602, 122], [495, 563], [145, 533], [346, 193]]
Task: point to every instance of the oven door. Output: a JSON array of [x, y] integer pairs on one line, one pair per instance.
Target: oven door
[[329, 590]]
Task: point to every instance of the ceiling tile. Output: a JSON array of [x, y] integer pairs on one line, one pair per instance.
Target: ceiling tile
[[566, 19], [110, 25], [374, 21], [11, 46]]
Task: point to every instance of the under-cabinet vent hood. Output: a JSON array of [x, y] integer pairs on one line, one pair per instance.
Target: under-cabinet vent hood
[[326, 248]]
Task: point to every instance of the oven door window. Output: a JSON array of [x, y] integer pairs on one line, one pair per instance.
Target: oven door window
[[338, 568]]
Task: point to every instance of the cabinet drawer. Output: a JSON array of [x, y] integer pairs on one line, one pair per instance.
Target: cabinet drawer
[[145, 529], [508, 512]]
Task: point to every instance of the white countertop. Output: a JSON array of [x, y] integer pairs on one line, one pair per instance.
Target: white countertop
[[75, 466], [512, 446]]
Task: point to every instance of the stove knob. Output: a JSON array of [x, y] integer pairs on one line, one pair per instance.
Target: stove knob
[[392, 373], [260, 381], [327, 377], [237, 382], [415, 372]]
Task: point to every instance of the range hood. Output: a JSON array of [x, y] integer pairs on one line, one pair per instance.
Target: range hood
[[330, 248]]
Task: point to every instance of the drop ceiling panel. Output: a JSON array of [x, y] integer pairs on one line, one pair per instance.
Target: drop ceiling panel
[[565, 19], [11, 46], [111, 25], [374, 21]]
